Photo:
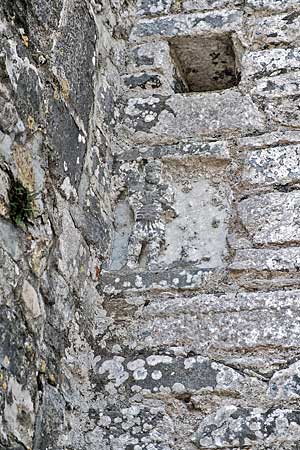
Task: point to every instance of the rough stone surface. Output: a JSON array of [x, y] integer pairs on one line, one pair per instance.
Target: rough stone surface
[[149, 225], [167, 119]]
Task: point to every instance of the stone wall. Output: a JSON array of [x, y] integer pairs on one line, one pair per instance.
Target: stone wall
[[59, 78], [150, 287]]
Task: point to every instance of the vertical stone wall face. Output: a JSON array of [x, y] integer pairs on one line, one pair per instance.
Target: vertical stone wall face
[[149, 225], [59, 78]]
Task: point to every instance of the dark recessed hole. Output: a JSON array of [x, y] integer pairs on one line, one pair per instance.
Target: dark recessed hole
[[205, 63]]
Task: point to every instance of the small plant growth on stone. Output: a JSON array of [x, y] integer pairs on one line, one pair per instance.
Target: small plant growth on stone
[[21, 203]]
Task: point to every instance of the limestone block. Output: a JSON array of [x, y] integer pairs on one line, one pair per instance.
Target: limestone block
[[169, 278], [189, 209], [281, 93], [272, 218], [285, 383], [199, 5], [159, 7], [151, 55], [272, 5], [75, 75], [19, 412], [274, 30], [229, 324], [284, 111], [270, 139], [176, 376], [10, 238], [274, 165], [268, 62], [278, 86], [232, 426], [72, 251], [163, 119], [9, 272], [4, 188], [153, 7], [198, 234], [283, 259], [187, 25], [143, 81], [217, 150], [151, 67], [31, 301]]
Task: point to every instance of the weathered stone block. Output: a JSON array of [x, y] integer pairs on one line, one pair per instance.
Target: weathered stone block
[[154, 55], [274, 165], [31, 301], [227, 325], [198, 5], [187, 25], [77, 35], [159, 7], [153, 7], [217, 150], [270, 139], [232, 426], [285, 383], [163, 119], [284, 111], [278, 86], [169, 278], [19, 412], [187, 223], [283, 259], [268, 62], [154, 59], [177, 376], [11, 240], [272, 218], [272, 5], [143, 81], [278, 29]]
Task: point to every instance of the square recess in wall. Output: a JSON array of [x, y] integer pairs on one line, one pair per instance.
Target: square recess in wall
[[206, 63]]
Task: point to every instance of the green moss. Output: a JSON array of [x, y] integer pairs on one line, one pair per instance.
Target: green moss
[[21, 203]]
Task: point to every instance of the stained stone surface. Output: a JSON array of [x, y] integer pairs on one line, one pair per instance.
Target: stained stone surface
[[168, 119], [150, 296]]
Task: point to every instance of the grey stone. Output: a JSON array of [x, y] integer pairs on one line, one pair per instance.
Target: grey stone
[[278, 29], [154, 7], [274, 165], [268, 62], [199, 5], [165, 119], [270, 139], [177, 376], [94, 354], [239, 427], [207, 150], [256, 260], [11, 240], [272, 5], [278, 86], [157, 280], [227, 325], [31, 301], [271, 218], [187, 25]]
